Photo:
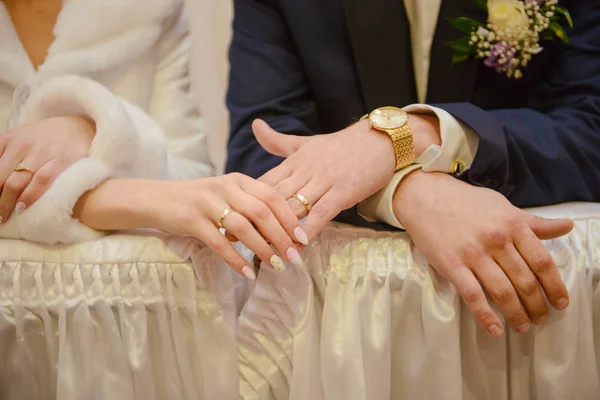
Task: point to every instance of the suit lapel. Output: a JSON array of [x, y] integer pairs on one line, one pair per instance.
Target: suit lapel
[[447, 82], [380, 36]]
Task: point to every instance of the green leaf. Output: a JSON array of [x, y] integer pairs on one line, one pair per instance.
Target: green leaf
[[481, 4], [459, 57], [466, 25], [565, 13], [463, 46], [560, 32]]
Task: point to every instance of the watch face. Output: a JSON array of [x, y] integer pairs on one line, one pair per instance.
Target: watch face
[[388, 118]]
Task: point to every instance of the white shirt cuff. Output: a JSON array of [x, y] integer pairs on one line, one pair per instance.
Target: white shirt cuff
[[459, 145]]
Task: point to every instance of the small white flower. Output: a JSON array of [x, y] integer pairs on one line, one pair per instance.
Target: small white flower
[[508, 15]]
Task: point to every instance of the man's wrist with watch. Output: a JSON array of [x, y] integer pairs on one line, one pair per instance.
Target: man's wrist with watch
[[399, 127]]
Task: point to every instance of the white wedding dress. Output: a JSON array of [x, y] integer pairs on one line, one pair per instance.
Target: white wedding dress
[[144, 316]]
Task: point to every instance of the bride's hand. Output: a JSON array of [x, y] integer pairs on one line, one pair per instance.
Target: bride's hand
[[42, 150], [259, 216]]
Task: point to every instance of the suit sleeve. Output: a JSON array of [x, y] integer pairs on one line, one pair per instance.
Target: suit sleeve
[[266, 81], [549, 152]]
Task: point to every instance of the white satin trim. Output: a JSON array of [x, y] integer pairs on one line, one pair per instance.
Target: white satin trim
[[371, 320], [152, 317]]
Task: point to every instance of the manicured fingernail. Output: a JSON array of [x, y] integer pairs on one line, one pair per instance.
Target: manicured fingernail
[[523, 328], [248, 273], [301, 236], [563, 303], [495, 331], [540, 320], [277, 263], [294, 257], [20, 208]]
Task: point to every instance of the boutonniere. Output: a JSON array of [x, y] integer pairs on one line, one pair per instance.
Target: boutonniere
[[512, 34]]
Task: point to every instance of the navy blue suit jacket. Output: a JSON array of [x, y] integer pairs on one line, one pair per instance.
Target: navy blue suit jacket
[[301, 66]]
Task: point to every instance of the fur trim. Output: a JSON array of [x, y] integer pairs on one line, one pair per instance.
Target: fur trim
[[118, 150], [91, 36]]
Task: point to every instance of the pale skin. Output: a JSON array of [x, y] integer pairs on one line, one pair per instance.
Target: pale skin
[[472, 236], [260, 216]]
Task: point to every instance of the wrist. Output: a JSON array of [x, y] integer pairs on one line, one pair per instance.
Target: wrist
[[381, 141], [119, 204], [413, 195]]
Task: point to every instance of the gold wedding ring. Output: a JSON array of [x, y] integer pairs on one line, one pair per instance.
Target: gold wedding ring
[[222, 217], [22, 168], [303, 200]]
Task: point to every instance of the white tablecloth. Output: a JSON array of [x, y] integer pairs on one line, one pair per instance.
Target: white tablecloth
[[143, 317]]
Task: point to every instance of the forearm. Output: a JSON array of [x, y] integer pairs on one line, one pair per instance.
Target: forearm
[[118, 204]]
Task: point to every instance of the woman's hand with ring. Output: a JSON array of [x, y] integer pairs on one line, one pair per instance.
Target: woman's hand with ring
[[45, 149], [250, 211]]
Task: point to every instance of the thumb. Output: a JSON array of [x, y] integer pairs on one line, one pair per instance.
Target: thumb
[[274, 142], [545, 228]]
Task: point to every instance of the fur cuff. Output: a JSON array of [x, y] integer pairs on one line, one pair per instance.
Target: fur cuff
[[118, 150]]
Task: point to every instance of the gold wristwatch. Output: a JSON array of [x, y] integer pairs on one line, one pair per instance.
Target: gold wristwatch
[[394, 122]]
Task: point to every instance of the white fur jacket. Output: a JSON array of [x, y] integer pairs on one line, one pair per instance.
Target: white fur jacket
[[123, 63]]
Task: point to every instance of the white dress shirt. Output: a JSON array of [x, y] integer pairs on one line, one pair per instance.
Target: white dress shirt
[[459, 143]]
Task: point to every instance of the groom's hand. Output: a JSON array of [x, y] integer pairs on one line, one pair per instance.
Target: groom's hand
[[335, 172], [475, 238]]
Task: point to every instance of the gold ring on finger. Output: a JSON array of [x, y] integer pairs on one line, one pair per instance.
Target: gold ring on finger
[[22, 168], [222, 217], [303, 200]]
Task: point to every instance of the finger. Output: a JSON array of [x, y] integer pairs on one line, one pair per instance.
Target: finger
[[14, 186], [274, 142], [2, 144], [312, 192], [540, 261], [281, 215], [242, 229], [292, 185], [474, 297], [277, 174], [503, 293], [40, 183], [325, 210], [210, 236], [525, 283], [8, 162], [261, 218], [546, 229]]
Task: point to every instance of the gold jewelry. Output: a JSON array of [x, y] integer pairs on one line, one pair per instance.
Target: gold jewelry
[[303, 200], [394, 122], [222, 217], [21, 167]]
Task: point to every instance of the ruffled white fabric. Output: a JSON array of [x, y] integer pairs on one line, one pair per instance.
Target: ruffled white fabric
[[124, 317], [152, 317], [371, 320]]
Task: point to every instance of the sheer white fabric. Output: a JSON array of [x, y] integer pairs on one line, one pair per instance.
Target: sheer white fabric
[[144, 317]]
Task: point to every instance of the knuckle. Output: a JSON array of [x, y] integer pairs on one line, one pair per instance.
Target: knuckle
[[484, 315], [472, 294], [260, 211], [502, 292], [496, 238], [528, 285], [43, 178], [14, 184], [543, 262], [472, 252]]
